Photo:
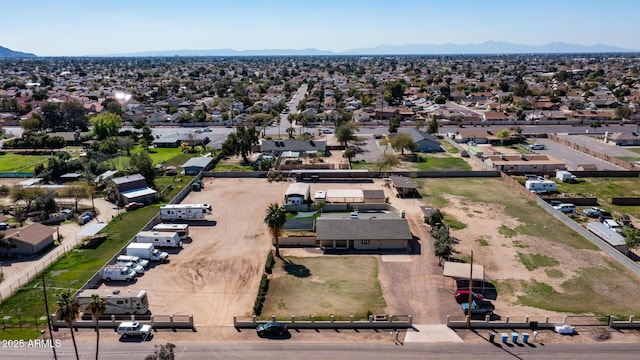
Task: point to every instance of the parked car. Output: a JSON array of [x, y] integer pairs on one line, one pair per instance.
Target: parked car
[[272, 328], [130, 328], [592, 212], [605, 215], [613, 225], [536, 147], [625, 220], [478, 308], [565, 208], [133, 206], [4, 225], [462, 296]]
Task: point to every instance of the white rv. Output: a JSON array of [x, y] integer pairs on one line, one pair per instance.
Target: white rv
[[174, 212], [118, 302], [541, 185], [159, 239], [181, 229]]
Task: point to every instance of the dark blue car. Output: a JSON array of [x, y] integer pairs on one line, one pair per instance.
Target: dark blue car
[[272, 328]]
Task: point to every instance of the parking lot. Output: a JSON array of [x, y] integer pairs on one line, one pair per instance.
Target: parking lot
[[573, 158]]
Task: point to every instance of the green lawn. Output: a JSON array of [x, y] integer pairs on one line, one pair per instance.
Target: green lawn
[[17, 162], [158, 156], [229, 165], [448, 147], [338, 285]]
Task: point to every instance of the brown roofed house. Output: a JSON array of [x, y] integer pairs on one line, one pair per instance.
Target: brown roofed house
[[29, 240]]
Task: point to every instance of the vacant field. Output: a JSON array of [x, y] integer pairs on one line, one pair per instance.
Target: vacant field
[[342, 286], [17, 162], [532, 258], [167, 156], [439, 163]]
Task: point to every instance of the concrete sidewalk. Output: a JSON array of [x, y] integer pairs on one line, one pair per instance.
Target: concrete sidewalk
[[431, 333]]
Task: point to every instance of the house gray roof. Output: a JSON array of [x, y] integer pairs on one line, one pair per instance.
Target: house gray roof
[[201, 162], [362, 229], [423, 139], [402, 182], [373, 194], [292, 145], [169, 138], [127, 179]]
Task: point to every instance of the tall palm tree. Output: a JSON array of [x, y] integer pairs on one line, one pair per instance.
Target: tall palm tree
[[275, 219], [96, 306], [67, 308]]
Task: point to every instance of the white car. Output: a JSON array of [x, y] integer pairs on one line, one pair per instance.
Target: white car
[[536, 147], [130, 328]]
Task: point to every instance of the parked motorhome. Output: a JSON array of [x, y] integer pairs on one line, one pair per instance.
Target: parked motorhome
[[147, 252], [540, 185], [181, 229], [174, 212], [159, 239], [118, 302]]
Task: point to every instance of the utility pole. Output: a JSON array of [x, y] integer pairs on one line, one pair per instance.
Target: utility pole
[[46, 306], [470, 292]]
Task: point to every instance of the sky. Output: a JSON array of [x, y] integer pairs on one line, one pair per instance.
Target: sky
[[78, 28]]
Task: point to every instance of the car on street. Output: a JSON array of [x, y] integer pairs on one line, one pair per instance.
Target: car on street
[[536, 147], [133, 206], [272, 328], [592, 212], [462, 296], [131, 328]]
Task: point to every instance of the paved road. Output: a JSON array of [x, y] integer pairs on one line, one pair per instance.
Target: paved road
[[286, 349], [599, 145]]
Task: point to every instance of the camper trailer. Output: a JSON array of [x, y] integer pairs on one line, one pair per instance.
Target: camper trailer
[[181, 229], [159, 239], [541, 185], [174, 212], [118, 302]]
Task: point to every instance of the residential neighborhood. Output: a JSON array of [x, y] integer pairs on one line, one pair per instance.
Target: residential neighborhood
[[329, 192]]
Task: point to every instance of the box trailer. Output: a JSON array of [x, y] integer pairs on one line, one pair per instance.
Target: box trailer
[[118, 302], [159, 239], [181, 229], [174, 212], [147, 252]]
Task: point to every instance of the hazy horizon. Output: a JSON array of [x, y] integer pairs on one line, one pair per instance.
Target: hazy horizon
[[76, 28]]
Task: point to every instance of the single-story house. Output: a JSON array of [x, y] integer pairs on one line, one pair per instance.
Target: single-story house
[[623, 139], [362, 231], [28, 240], [425, 142], [131, 188], [168, 141], [196, 164], [403, 186], [524, 163], [308, 147]]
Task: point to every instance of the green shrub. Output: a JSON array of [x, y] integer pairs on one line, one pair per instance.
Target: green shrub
[[271, 261], [262, 293]]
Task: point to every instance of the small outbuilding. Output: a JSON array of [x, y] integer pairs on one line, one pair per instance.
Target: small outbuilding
[[196, 164], [403, 186], [298, 193]]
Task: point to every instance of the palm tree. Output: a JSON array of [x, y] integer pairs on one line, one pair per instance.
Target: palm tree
[[67, 308], [275, 219], [96, 306]]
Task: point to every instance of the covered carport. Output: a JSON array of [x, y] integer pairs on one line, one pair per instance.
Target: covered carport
[[461, 273], [89, 231]]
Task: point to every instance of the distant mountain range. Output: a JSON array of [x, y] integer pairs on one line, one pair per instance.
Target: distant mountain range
[[8, 53], [488, 47]]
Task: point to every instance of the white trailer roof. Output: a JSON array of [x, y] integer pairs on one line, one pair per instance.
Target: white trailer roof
[[462, 270], [345, 195]]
